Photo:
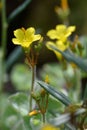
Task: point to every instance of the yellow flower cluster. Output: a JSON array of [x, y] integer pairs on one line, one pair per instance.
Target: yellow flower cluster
[[60, 34], [25, 37]]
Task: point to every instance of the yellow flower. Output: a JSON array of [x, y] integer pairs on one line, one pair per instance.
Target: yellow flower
[[61, 32], [25, 37], [49, 127]]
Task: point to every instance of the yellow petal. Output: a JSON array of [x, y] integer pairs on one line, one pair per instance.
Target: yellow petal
[[19, 34], [37, 37], [26, 44], [61, 32], [70, 30], [30, 35], [16, 41], [61, 46], [60, 28], [30, 30], [52, 34], [49, 44]]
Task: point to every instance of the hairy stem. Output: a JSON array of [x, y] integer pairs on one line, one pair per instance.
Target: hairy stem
[[32, 85]]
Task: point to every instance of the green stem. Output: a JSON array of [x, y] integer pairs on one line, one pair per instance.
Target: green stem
[[1, 70], [77, 83], [3, 44], [86, 49], [4, 28], [43, 117], [32, 85]]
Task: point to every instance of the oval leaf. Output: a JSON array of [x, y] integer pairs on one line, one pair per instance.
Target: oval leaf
[[20, 103]]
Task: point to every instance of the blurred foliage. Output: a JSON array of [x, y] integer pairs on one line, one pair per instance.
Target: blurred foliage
[[68, 83], [21, 77]]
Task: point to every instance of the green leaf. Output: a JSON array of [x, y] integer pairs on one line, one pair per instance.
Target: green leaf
[[18, 10], [20, 102], [9, 117], [58, 95], [13, 57], [70, 57], [27, 124], [21, 77], [54, 106]]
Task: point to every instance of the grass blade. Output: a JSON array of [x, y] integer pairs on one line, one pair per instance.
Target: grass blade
[[58, 95]]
